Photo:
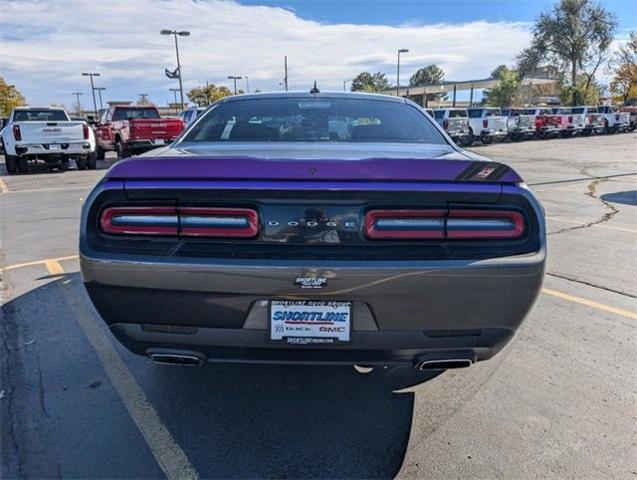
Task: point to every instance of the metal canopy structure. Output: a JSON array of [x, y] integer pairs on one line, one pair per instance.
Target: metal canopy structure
[[453, 87]]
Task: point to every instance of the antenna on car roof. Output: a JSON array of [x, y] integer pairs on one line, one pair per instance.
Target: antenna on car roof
[[315, 88]]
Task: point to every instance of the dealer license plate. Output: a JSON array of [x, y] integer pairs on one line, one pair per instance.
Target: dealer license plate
[[159, 141], [304, 322], [54, 147]]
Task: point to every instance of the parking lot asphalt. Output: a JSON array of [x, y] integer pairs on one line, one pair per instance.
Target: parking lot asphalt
[[559, 402]]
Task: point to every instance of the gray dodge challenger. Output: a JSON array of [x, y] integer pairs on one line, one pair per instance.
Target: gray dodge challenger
[[316, 228]]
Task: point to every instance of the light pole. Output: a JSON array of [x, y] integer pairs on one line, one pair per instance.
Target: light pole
[[247, 84], [77, 99], [142, 98], [175, 33], [402, 50], [91, 75], [235, 78], [345, 85], [99, 94], [175, 90]]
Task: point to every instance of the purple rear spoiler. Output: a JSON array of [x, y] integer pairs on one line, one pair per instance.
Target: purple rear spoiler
[[373, 169]]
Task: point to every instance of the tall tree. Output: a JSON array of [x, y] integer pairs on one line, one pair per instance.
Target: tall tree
[[206, 94], [575, 35], [429, 75], [368, 82], [505, 92], [10, 98], [624, 66]]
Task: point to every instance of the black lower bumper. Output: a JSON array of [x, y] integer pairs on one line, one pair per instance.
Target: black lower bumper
[[407, 348]]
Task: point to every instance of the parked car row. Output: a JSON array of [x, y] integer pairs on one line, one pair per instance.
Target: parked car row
[[465, 126]]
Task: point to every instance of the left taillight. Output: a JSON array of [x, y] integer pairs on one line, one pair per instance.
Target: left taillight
[[85, 131], [140, 220], [184, 221], [17, 134], [444, 224]]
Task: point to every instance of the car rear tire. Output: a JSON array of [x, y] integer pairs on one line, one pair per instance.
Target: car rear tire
[[91, 161], [121, 151], [81, 163], [486, 139], [10, 161], [23, 165], [100, 153]]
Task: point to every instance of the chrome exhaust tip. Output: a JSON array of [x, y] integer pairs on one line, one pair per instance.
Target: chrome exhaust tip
[[444, 364], [179, 359]]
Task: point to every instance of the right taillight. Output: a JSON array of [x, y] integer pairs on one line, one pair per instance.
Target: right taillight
[[445, 124], [467, 224], [17, 134], [485, 123], [570, 119]]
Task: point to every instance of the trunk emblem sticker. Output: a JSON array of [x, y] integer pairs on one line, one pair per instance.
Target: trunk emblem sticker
[[311, 282]]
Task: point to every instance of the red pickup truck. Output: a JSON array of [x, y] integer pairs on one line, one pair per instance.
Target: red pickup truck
[[128, 130]]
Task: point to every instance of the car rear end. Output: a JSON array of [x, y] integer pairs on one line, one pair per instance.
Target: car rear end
[[520, 123], [51, 139], [145, 134], [335, 252], [456, 124], [494, 124]]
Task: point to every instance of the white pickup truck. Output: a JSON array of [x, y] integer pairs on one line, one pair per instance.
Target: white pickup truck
[[614, 120], [487, 124], [47, 134]]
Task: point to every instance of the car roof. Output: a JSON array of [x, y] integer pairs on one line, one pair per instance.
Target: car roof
[[38, 108]]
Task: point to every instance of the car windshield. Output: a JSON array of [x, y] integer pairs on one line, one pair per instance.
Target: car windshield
[[314, 120], [457, 113], [43, 115], [131, 113], [578, 110]]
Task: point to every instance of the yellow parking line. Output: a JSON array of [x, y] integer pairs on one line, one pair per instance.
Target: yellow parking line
[[3, 187], [39, 262], [590, 303], [607, 227], [169, 455]]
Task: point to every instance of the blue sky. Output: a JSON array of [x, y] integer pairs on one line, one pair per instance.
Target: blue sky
[[435, 11], [46, 44]]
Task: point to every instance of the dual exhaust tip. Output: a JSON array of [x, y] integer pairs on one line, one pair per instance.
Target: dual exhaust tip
[[444, 364]]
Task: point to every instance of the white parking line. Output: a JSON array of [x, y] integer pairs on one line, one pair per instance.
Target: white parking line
[[169, 455]]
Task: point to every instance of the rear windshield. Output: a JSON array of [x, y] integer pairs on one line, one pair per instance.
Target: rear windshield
[[457, 113], [314, 120], [578, 110], [439, 114], [493, 113], [130, 113], [565, 110], [531, 111], [40, 116]]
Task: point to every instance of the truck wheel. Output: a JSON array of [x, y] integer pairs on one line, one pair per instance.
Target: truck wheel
[[10, 161], [121, 151], [91, 161], [469, 139], [486, 139], [100, 153], [23, 165], [81, 163]]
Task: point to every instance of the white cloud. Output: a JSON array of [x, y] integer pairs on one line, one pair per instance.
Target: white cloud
[[45, 45]]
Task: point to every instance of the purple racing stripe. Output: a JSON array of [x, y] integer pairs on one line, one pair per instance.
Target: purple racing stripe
[[247, 168]]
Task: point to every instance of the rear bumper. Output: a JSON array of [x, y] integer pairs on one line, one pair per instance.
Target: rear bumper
[[493, 133], [404, 312], [43, 150], [146, 144]]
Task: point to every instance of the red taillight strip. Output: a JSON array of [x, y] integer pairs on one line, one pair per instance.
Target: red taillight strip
[[408, 224], [219, 222], [476, 224], [140, 220], [17, 134], [443, 224]]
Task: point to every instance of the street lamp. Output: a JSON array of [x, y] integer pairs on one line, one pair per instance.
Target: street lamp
[[175, 33], [92, 87], [77, 98], [235, 78], [345, 82], [175, 90], [99, 93], [247, 84], [402, 50], [143, 98]]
